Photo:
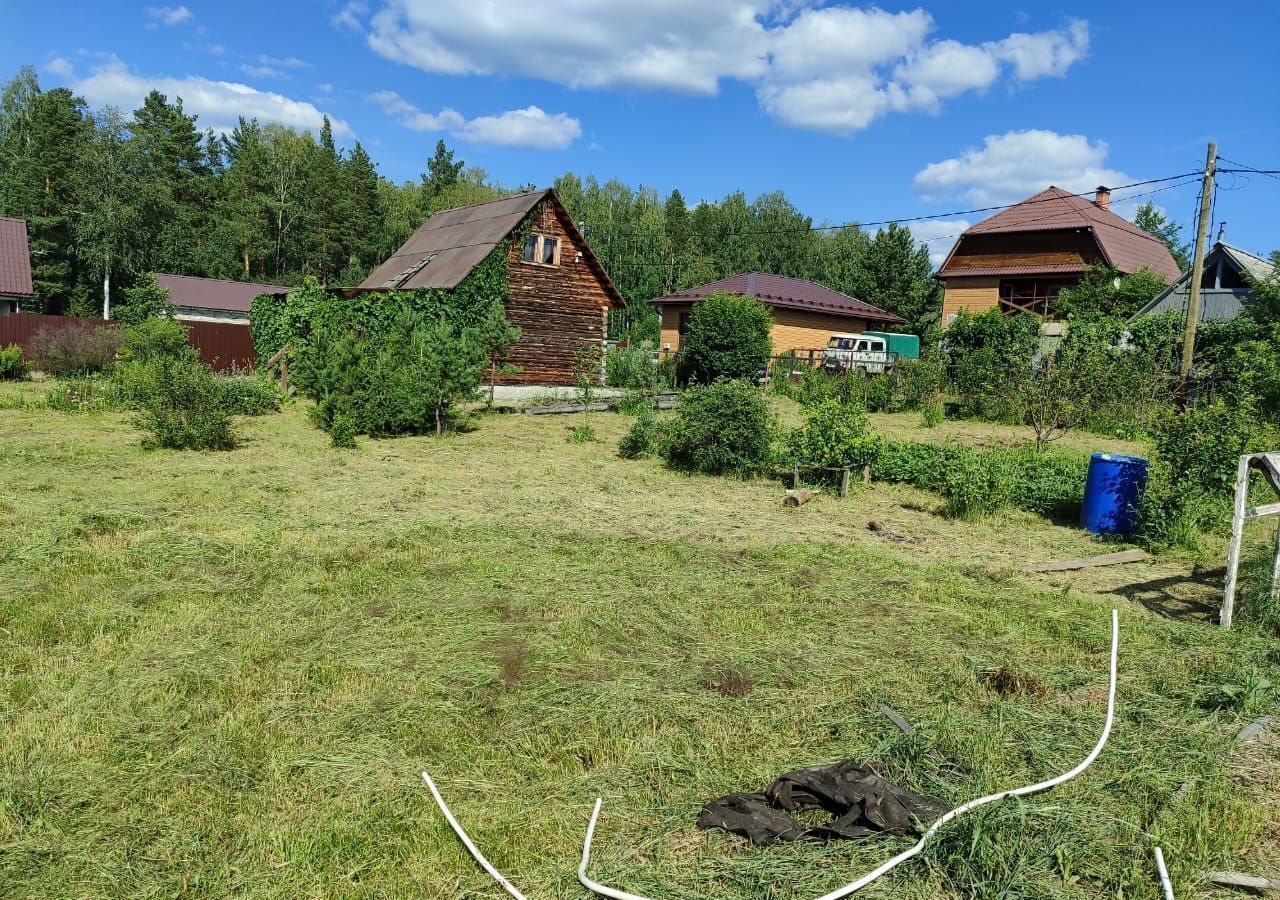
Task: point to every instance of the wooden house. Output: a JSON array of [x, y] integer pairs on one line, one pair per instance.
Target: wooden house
[[805, 314], [1225, 287], [15, 266], [559, 296], [1019, 259]]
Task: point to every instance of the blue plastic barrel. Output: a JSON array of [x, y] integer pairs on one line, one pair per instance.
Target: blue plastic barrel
[[1112, 493]]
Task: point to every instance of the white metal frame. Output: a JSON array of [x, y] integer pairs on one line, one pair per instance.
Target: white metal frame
[[1269, 465]]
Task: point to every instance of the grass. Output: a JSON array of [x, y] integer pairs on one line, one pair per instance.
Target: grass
[[220, 674]]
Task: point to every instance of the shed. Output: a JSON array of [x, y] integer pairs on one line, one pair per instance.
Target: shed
[[559, 294], [805, 313], [213, 299], [15, 266], [1224, 287]]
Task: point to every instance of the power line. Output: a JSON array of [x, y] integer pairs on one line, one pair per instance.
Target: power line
[[1270, 173], [904, 219]]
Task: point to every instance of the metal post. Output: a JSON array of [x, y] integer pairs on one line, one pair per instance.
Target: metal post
[[1197, 272]]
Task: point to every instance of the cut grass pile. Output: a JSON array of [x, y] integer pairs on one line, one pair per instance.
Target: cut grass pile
[[222, 674]]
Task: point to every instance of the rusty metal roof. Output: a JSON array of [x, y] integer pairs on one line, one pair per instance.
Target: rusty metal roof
[[1125, 246], [214, 293], [454, 241], [788, 293], [15, 259]]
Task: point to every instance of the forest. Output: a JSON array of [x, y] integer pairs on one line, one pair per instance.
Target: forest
[[110, 195]]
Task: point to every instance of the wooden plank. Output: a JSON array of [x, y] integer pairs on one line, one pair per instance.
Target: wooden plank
[[1106, 559], [562, 408], [892, 715], [1257, 512], [1241, 880]]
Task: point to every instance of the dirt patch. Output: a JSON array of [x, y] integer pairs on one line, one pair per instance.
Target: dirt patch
[[513, 661], [730, 683], [806, 576], [1010, 681]]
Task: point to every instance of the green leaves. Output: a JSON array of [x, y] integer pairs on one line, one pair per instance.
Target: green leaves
[[728, 337]]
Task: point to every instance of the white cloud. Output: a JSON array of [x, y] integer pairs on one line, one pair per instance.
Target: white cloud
[[282, 62], [349, 17], [168, 15], [1010, 167], [940, 235], [834, 68], [262, 72], [61, 67], [218, 103], [528, 127]]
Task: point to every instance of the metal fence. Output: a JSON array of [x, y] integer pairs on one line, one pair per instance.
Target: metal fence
[[223, 346]]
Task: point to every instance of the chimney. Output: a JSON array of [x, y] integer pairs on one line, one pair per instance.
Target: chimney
[[1102, 197], [1222, 232]]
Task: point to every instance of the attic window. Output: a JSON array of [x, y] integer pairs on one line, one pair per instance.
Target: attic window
[[541, 249]]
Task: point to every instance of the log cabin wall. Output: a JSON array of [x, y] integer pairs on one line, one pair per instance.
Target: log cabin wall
[[558, 308], [975, 293]]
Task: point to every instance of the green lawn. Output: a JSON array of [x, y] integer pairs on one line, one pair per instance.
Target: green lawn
[[222, 674]]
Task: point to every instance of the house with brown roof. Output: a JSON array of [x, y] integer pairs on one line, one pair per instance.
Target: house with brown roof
[[1019, 259], [212, 299], [805, 314], [559, 295], [15, 266]]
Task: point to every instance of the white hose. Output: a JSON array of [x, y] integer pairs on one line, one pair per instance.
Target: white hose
[[1165, 883], [905, 855], [466, 842]]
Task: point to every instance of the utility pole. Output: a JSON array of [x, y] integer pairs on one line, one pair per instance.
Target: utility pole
[[1197, 273]]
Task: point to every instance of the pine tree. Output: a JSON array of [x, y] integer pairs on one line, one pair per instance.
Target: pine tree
[[1154, 222], [171, 177], [900, 277], [442, 173], [361, 215]]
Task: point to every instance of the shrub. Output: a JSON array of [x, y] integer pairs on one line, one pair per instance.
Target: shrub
[[342, 433], [76, 349], [834, 434], [145, 300], [182, 407], [641, 439], [727, 337], [723, 428], [990, 357], [630, 368], [1193, 475], [975, 483], [582, 434], [12, 366], [155, 337], [247, 395]]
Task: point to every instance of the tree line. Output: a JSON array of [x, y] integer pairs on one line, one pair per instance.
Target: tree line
[[109, 197]]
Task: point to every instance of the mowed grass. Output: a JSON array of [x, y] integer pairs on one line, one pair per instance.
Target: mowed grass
[[222, 674]]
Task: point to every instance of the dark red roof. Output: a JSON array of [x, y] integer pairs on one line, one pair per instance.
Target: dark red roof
[[15, 259], [788, 293], [454, 241], [214, 293], [1125, 246]]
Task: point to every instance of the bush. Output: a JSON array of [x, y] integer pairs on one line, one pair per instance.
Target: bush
[[12, 366], [933, 413], [724, 428], [630, 368], [833, 435], [155, 337], [182, 406], [144, 301], [641, 439], [728, 337], [976, 483], [342, 433], [247, 395], [990, 357], [75, 350], [1193, 476]]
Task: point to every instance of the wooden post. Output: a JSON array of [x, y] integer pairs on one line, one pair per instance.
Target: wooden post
[[795, 478], [1237, 537], [844, 481], [1197, 272], [1275, 567]]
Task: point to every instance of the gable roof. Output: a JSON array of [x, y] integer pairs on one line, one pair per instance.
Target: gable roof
[[1125, 246], [452, 242], [15, 259], [1216, 304], [214, 293], [787, 293]]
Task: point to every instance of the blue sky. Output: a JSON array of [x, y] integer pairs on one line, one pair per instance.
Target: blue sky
[[857, 112]]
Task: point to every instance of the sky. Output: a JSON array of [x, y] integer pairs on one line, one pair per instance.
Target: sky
[[858, 112]]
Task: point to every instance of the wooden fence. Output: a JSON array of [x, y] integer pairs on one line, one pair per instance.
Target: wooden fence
[[224, 346]]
